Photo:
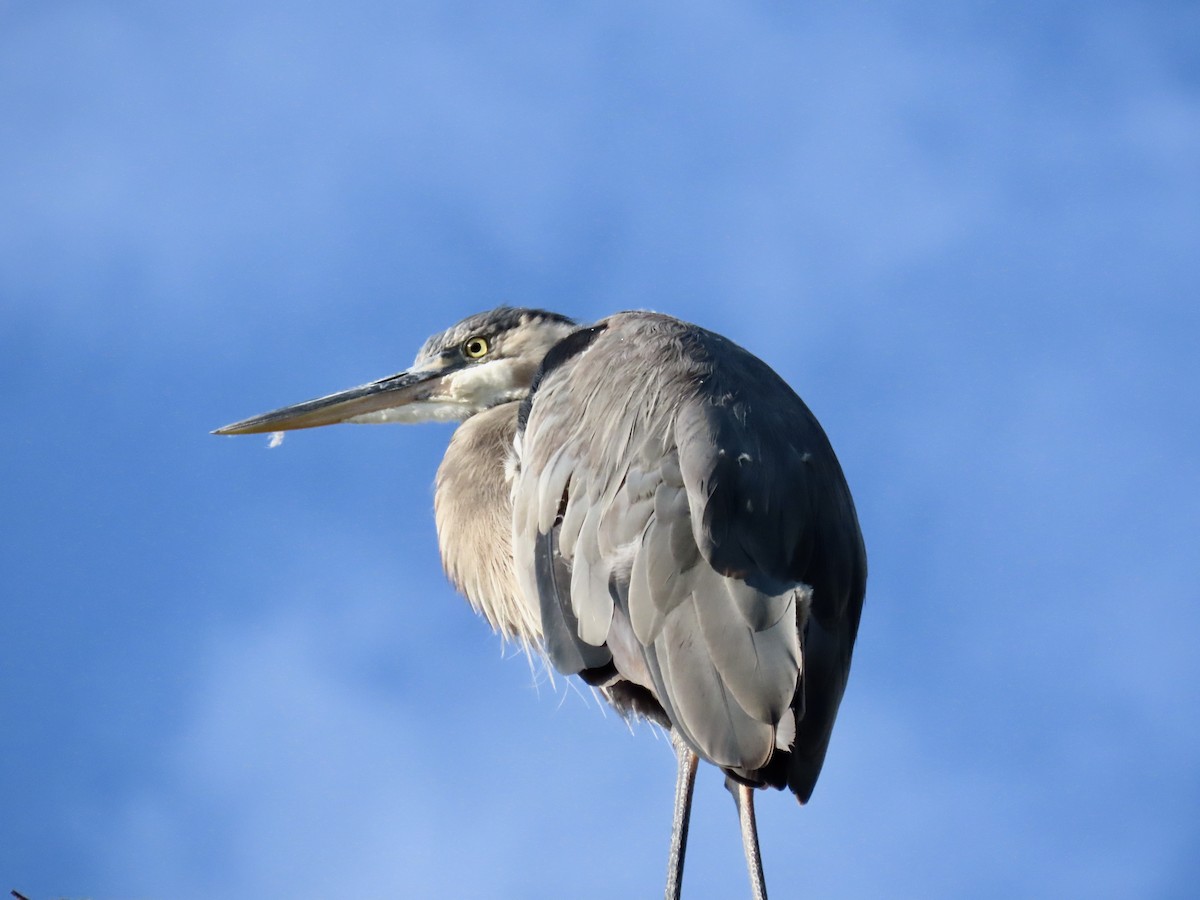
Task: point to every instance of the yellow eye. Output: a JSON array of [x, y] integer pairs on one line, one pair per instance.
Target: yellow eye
[[475, 348]]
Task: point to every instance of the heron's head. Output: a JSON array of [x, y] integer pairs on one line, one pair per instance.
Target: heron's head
[[483, 361]]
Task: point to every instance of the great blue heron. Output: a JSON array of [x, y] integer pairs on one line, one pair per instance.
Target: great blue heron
[[656, 511]]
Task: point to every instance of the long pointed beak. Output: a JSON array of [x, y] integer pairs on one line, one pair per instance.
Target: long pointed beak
[[408, 397]]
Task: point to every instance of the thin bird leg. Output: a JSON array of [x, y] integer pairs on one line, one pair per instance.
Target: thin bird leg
[[743, 796], [684, 782]]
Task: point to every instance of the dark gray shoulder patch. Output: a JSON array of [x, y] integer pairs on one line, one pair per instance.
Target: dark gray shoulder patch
[[572, 345]]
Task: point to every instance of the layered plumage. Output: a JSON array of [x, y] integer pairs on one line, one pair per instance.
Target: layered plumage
[[686, 529]]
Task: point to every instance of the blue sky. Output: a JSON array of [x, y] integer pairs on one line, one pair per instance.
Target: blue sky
[[965, 232]]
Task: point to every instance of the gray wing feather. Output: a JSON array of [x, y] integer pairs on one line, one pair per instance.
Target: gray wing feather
[[552, 486], [759, 666], [700, 695], [572, 522], [662, 572], [560, 627], [753, 497], [590, 597]]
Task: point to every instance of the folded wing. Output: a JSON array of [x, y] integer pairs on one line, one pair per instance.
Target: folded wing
[[681, 524]]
